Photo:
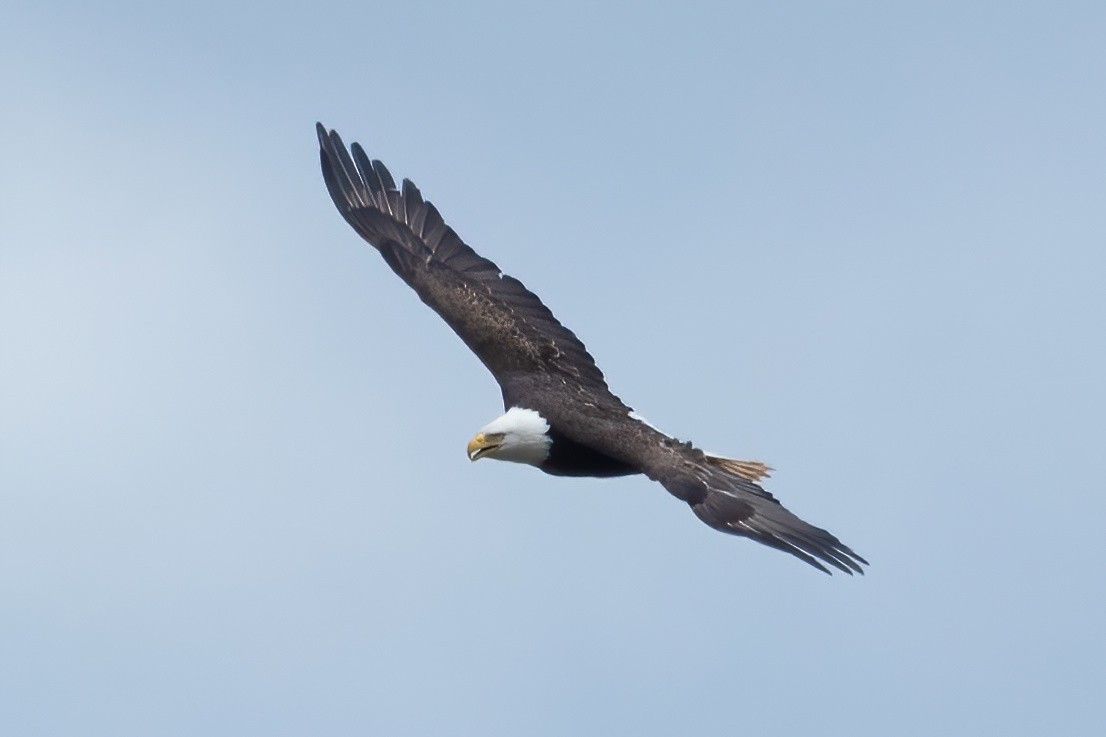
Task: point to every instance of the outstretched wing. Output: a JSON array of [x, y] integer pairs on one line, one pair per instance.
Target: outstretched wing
[[501, 321], [762, 518], [733, 504]]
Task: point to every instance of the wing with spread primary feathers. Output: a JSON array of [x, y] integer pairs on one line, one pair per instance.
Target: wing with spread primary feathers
[[739, 506], [730, 506], [501, 321]]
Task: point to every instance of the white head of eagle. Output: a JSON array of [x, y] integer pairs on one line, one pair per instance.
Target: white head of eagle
[[519, 435]]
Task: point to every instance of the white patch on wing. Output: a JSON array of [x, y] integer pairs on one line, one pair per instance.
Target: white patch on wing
[[635, 416]]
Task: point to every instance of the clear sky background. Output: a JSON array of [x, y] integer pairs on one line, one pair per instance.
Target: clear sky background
[[864, 242]]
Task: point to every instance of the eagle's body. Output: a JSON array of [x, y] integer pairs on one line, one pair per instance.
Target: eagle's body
[[560, 417]]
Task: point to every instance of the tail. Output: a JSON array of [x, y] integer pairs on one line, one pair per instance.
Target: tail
[[750, 470]]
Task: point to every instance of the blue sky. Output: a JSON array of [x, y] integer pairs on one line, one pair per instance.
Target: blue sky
[[864, 242]]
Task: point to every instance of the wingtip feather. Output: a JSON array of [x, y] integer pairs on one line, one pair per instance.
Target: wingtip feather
[[729, 507]]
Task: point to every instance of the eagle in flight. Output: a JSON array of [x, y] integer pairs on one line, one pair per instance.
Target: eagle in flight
[[560, 416]]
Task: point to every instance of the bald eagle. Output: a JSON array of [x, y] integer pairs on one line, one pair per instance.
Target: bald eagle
[[560, 416]]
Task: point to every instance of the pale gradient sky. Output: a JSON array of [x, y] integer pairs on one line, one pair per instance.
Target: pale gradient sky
[[864, 242]]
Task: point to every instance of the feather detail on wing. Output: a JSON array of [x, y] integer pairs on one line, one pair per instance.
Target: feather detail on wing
[[767, 521], [505, 324], [728, 501]]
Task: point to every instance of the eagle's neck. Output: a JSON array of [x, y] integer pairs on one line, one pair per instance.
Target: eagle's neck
[[525, 436]]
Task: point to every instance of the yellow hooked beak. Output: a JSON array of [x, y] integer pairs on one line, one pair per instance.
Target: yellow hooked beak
[[482, 445]]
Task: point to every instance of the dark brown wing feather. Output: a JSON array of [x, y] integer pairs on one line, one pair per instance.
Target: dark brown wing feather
[[740, 507], [733, 504], [504, 324]]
